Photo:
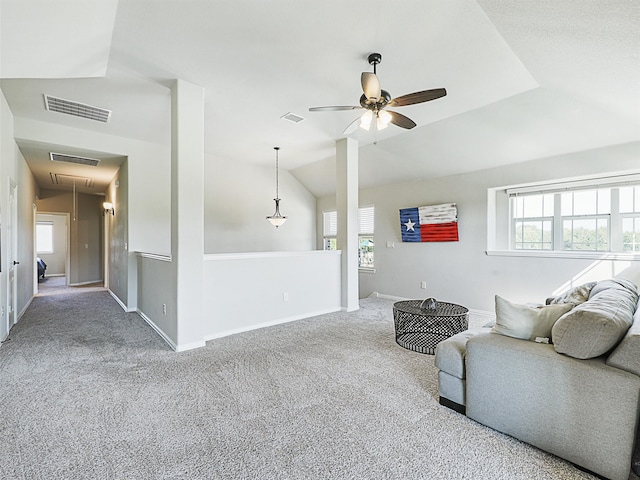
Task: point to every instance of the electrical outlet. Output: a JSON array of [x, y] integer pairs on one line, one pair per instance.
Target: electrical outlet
[[423, 285], [164, 308], [285, 297]]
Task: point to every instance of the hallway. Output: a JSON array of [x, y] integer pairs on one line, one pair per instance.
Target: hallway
[[57, 286]]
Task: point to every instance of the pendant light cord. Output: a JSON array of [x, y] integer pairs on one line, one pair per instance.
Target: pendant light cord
[[277, 149]]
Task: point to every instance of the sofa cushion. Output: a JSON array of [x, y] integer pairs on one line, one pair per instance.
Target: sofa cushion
[[527, 322], [575, 295], [593, 328], [626, 355]]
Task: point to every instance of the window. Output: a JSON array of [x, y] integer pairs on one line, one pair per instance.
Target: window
[[330, 229], [533, 222], [578, 217], [44, 237], [366, 241], [630, 216], [365, 237]]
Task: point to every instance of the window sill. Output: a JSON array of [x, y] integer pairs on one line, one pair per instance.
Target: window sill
[[635, 256], [366, 270]]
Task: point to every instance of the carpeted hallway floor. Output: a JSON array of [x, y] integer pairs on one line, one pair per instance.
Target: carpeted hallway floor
[[91, 392]]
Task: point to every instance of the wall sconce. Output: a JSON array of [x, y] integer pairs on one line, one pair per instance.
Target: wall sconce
[[108, 208]]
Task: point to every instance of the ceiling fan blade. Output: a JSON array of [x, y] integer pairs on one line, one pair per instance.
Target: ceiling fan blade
[[417, 97], [352, 127], [401, 120], [370, 85], [334, 109]]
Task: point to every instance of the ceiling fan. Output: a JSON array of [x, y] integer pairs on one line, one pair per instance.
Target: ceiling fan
[[375, 101]]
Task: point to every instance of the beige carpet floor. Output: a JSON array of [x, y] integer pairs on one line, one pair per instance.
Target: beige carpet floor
[[88, 391]]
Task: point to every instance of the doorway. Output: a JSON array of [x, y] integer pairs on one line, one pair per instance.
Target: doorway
[[52, 239]]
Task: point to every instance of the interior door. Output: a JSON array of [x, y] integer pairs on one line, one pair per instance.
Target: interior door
[[11, 255]]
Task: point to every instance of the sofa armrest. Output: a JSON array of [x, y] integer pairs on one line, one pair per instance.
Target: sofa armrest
[[582, 410]]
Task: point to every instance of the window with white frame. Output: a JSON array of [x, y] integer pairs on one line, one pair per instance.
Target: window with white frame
[[579, 217], [330, 229], [366, 226], [366, 243], [629, 201], [44, 237]]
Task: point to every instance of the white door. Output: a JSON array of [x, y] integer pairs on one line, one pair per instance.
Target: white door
[[12, 241]]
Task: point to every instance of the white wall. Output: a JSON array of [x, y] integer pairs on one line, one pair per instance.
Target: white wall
[[253, 290], [7, 170], [243, 291], [461, 272], [26, 235], [13, 166], [239, 197]]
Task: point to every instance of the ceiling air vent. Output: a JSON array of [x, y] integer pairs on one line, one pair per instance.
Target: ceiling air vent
[[61, 157], [292, 117], [76, 109], [70, 180]]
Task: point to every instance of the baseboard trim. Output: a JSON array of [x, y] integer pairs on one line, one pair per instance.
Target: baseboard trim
[[388, 297], [121, 303], [22, 312], [157, 329], [80, 284], [271, 323]]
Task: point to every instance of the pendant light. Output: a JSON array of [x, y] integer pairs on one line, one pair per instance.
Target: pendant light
[[276, 219]]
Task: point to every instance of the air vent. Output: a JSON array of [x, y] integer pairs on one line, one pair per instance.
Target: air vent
[[61, 157], [76, 109], [292, 117], [70, 180]]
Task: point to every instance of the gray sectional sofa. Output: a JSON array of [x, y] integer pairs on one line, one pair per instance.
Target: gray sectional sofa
[[564, 377]]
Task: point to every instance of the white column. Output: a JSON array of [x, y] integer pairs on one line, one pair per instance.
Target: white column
[[187, 210], [347, 207]]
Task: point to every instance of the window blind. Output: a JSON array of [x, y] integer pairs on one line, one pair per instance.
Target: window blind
[[366, 223], [330, 223], [366, 220]]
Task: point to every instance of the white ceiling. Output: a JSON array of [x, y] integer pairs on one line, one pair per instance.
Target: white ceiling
[[525, 79]]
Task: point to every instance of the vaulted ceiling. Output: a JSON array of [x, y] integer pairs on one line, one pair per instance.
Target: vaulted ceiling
[[525, 80]]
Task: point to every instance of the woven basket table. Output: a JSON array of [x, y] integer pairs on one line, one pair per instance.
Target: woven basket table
[[421, 329]]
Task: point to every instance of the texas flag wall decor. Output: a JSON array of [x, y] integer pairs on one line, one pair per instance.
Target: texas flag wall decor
[[433, 223]]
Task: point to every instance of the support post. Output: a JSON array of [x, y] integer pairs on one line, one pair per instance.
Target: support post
[[187, 210], [347, 208]]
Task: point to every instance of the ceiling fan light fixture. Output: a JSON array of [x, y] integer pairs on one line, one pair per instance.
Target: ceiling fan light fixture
[[383, 118], [365, 120], [374, 99]]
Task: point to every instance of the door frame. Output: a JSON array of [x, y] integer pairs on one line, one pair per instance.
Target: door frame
[[11, 311], [67, 257]]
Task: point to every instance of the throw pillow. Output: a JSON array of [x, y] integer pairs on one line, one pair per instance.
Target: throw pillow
[[593, 328], [527, 322], [576, 295]]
